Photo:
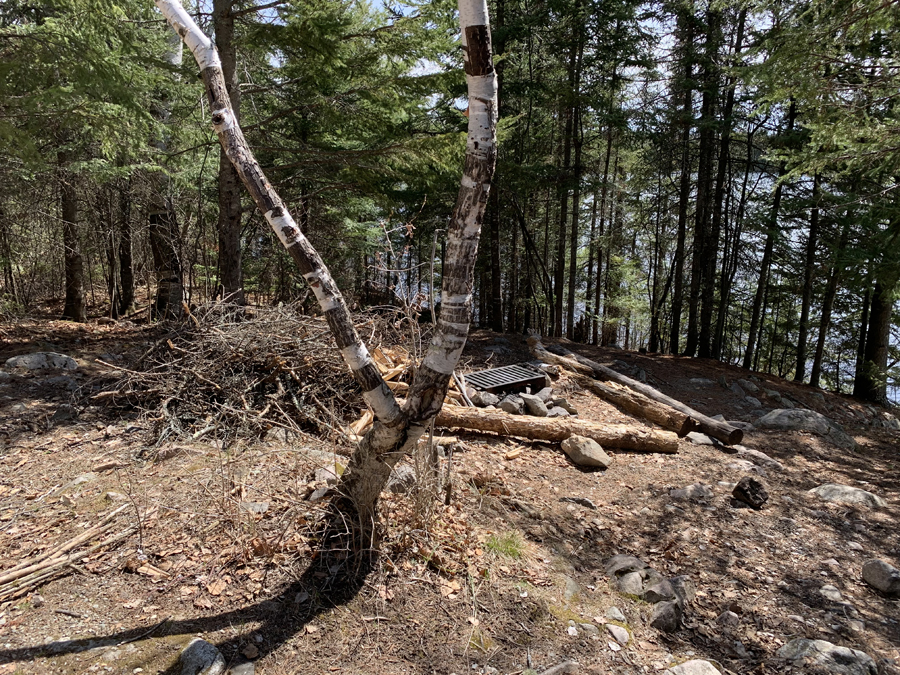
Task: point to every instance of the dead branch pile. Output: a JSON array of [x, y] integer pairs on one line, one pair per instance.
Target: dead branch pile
[[244, 372]]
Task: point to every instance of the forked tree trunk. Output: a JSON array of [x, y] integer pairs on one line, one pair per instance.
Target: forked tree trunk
[[396, 430]]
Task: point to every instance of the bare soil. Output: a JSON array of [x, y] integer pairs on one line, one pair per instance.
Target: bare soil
[[230, 549]]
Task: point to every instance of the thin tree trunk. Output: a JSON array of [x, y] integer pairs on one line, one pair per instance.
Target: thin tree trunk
[[871, 382], [765, 265], [396, 431], [229, 221], [808, 270], [496, 287], [126, 265], [827, 306], [578, 139], [704, 246], [73, 309], [604, 193], [563, 198]]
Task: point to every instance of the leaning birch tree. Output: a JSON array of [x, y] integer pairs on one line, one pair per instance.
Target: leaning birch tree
[[398, 425]]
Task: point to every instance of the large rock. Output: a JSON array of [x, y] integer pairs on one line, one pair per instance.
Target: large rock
[[631, 583], [748, 386], [666, 616], [42, 361], [659, 592], [586, 452], [751, 491], [623, 564], [829, 658], [693, 667], [845, 494], [881, 575], [534, 405], [483, 399], [201, 658], [801, 419]]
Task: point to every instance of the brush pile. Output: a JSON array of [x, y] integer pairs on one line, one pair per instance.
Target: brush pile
[[234, 373]]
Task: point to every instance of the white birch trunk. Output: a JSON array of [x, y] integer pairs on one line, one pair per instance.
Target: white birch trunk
[[395, 431]]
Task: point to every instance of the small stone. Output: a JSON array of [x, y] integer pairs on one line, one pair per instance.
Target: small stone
[[845, 494], [828, 657], [42, 361], [728, 619], [589, 628], [37, 600], [753, 402], [251, 651], [882, 576], [512, 405], [737, 389], [586, 452], [564, 668], [581, 501], [748, 386], [751, 491], [830, 592], [701, 381], [697, 491], [619, 634], [254, 507], [556, 411], [534, 405], [571, 630], [697, 438], [758, 457], [487, 398], [854, 546], [201, 658], [565, 405], [64, 413], [545, 394], [327, 475], [666, 616], [615, 614], [693, 667]]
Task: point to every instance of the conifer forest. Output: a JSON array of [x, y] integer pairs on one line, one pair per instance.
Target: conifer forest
[[708, 179]]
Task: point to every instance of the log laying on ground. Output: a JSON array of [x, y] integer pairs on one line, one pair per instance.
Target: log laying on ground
[[568, 359], [642, 406], [622, 436]]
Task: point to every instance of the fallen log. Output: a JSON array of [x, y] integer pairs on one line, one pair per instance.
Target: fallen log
[[643, 406], [622, 436], [568, 359]]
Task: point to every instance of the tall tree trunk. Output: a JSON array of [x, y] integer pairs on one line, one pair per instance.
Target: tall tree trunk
[[73, 309], [604, 195], [496, 287], [704, 246], [827, 306], [578, 139], [861, 342], [871, 383], [126, 265], [709, 346], [765, 265], [563, 198], [396, 431], [592, 248], [229, 222], [164, 236], [808, 271], [684, 190]]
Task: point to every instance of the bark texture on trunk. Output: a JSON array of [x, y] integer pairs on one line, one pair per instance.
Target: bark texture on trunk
[[871, 382], [642, 406], [567, 359], [395, 431], [622, 436], [164, 234], [229, 221], [73, 309]]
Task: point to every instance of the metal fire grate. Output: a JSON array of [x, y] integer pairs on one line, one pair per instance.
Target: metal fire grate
[[506, 379]]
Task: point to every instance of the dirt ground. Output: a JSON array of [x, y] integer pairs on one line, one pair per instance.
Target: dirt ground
[[227, 546]]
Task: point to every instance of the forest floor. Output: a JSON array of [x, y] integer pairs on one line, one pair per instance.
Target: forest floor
[[226, 547]]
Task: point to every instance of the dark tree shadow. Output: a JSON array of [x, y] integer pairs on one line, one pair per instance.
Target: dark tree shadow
[[337, 572]]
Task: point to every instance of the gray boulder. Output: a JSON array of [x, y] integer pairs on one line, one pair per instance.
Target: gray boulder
[[748, 386], [563, 403], [545, 394], [737, 389], [697, 438], [42, 361], [534, 405], [829, 658], [685, 589], [693, 667], [881, 575], [483, 399], [586, 452], [618, 633], [759, 458], [666, 616], [802, 419], [753, 402], [845, 494], [512, 405], [201, 658], [631, 583], [659, 592]]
